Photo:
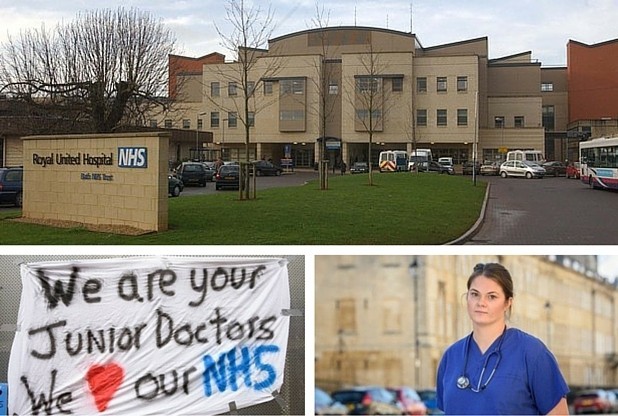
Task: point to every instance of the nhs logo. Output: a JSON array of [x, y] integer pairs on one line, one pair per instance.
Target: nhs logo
[[132, 157]]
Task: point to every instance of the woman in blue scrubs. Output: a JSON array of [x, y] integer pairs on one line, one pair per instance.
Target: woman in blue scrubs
[[498, 370]]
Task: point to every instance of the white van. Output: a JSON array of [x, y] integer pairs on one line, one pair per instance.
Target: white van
[[418, 156], [535, 156], [446, 161]]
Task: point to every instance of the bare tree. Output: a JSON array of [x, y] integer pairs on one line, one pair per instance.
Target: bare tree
[[251, 28], [105, 69]]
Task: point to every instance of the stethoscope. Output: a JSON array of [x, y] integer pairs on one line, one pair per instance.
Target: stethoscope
[[463, 382]]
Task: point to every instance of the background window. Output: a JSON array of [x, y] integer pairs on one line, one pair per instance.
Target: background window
[[397, 84], [214, 119], [462, 83], [548, 117], [168, 124], [251, 119], [441, 84], [232, 89], [153, 123], [268, 87], [333, 88], [547, 87], [421, 117], [462, 117], [519, 122], [232, 119], [214, 89], [186, 123], [499, 122], [441, 116], [421, 84]]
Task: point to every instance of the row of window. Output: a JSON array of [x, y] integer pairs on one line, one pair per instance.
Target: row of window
[[441, 84], [441, 117]]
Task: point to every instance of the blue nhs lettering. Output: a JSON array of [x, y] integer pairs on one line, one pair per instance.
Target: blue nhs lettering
[[132, 157], [239, 363]]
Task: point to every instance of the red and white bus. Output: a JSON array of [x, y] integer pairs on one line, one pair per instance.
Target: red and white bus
[[599, 162]]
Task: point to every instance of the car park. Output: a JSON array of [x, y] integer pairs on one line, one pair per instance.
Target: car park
[[554, 168], [228, 177], [409, 400], [490, 168], [192, 173], [592, 401], [521, 168], [264, 167], [174, 185], [11, 186], [359, 167], [469, 167], [368, 401], [434, 167], [572, 170], [324, 404]]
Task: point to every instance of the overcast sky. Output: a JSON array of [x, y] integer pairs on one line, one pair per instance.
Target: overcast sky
[[512, 26]]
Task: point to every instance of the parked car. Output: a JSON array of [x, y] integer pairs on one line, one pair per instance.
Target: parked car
[[470, 167], [572, 170], [11, 186], [263, 167], [490, 168], [521, 168], [430, 398], [359, 167], [228, 176], [192, 173], [324, 404], [174, 185], [368, 401], [435, 167], [595, 401], [211, 171], [409, 400], [554, 168]]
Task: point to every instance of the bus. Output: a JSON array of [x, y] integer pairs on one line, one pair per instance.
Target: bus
[[598, 160], [393, 160]]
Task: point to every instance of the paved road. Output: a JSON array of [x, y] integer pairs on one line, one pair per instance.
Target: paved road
[[555, 211]]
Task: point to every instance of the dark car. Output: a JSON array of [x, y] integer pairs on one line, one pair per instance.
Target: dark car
[[359, 167], [263, 168], [211, 171], [434, 167], [326, 405], [368, 401], [470, 167], [174, 186], [192, 173], [11, 186], [228, 176], [554, 168], [592, 401], [409, 400]]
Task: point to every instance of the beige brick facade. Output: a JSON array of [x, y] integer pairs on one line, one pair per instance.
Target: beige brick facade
[[381, 321], [86, 179]]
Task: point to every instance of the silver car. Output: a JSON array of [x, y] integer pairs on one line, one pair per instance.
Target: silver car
[[521, 168]]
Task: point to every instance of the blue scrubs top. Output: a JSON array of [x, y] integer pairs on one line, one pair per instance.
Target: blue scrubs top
[[527, 380]]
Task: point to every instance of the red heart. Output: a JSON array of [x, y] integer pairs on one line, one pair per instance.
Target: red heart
[[103, 381]]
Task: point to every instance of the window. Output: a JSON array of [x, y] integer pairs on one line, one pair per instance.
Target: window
[[250, 88], [232, 89], [153, 123], [214, 119], [291, 115], [462, 117], [292, 86], [462, 84], [168, 124], [364, 114], [499, 122], [441, 117], [366, 85], [232, 119], [186, 123], [547, 86], [548, 117], [397, 84], [333, 88], [441, 85], [519, 122], [214, 89], [421, 84], [421, 118], [251, 119], [268, 87], [200, 124]]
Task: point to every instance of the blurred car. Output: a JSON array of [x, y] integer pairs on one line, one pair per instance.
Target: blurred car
[[572, 170], [409, 400], [554, 168], [592, 401], [324, 404], [11, 186], [228, 176], [263, 168], [521, 168], [359, 167], [211, 171], [174, 186], [368, 401], [430, 398], [192, 173], [435, 167], [490, 168], [470, 167]]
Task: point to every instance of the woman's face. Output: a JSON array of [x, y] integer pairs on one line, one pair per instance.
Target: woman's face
[[487, 303]]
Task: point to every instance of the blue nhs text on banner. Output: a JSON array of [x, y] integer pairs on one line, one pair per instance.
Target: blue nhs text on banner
[[132, 157]]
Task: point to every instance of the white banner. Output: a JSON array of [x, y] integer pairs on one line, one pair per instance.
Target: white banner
[[149, 336]]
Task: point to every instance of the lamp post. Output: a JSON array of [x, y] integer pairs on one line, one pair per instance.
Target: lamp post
[[197, 135], [413, 269], [223, 136]]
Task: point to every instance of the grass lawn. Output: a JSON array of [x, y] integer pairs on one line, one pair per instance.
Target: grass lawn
[[399, 209]]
